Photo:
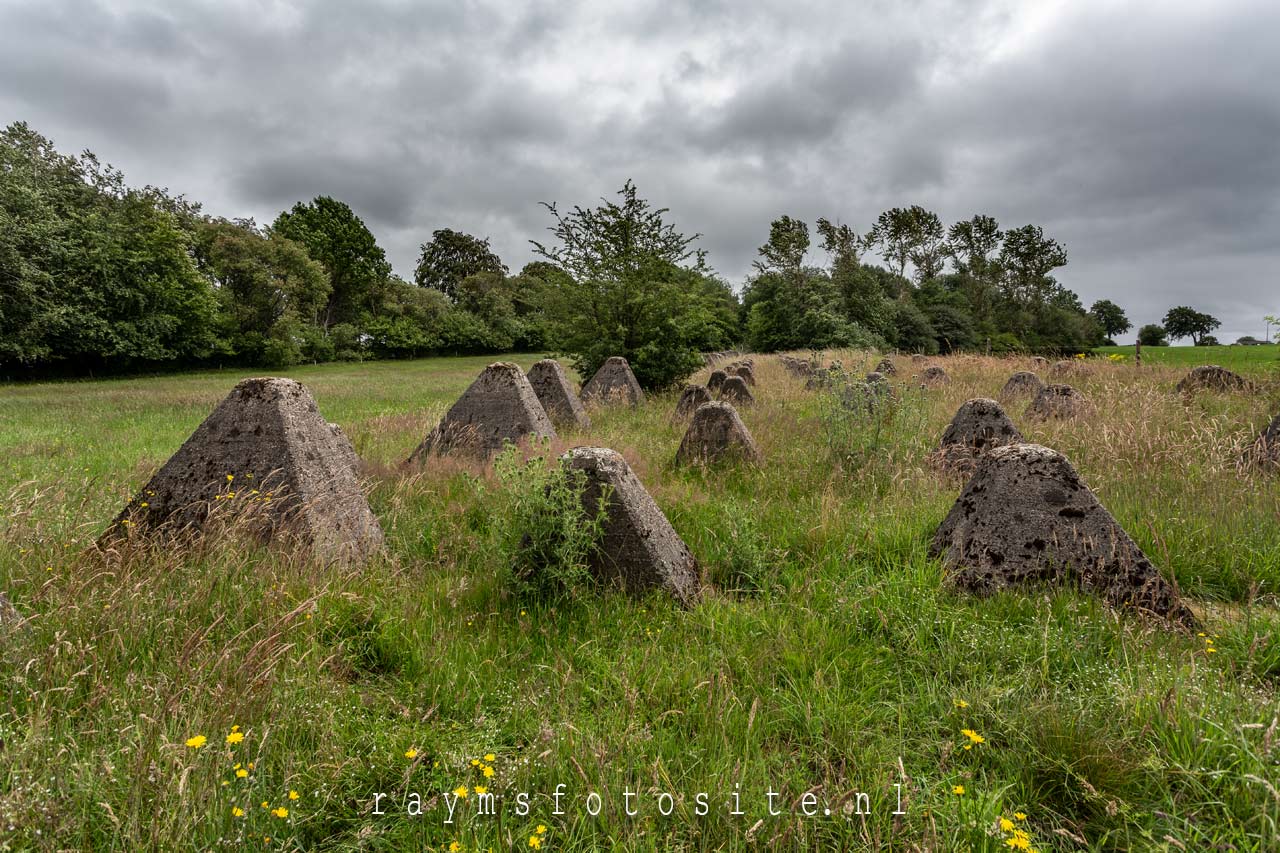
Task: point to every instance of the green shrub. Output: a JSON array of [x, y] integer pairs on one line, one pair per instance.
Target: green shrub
[[548, 534]]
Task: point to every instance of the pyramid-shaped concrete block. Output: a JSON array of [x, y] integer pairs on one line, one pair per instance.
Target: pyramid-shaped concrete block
[[1025, 516], [978, 426], [1022, 384], [267, 459], [498, 408], [640, 550], [746, 372], [1265, 452], [734, 390], [716, 433], [558, 399], [613, 383], [1212, 377], [932, 377], [1057, 402], [691, 398], [716, 380]]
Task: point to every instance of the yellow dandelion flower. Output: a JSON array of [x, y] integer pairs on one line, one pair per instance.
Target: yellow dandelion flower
[[973, 736], [958, 790], [230, 477], [225, 783], [535, 842], [250, 765], [1006, 824], [1018, 843], [280, 812], [960, 703], [480, 789], [542, 829], [488, 773], [197, 741], [460, 791], [241, 773], [475, 762], [236, 811], [1210, 650], [454, 847], [411, 753], [293, 795], [489, 756], [235, 737]]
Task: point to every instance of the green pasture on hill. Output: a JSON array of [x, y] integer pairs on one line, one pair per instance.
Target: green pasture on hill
[[1262, 358], [237, 697]]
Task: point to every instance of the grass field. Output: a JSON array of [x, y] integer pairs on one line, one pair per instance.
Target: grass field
[[829, 659], [1256, 359]]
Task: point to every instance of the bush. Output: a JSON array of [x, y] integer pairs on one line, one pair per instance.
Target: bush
[[1152, 335], [548, 535]]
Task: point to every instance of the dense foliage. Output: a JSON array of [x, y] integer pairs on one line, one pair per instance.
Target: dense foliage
[[98, 276]]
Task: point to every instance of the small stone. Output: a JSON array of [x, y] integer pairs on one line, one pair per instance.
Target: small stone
[[1025, 516], [639, 550], [691, 398], [716, 433], [499, 408], [613, 383], [735, 391], [551, 385]]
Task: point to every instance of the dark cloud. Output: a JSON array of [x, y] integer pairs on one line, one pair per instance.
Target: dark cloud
[[1140, 135]]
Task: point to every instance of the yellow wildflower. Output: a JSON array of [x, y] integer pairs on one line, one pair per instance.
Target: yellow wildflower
[[535, 842], [958, 790], [460, 791], [488, 773], [973, 736], [475, 762], [293, 795], [1006, 824], [542, 829], [235, 737], [960, 703], [241, 773], [236, 811], [489, 756], [280, 812], [454, 847], [411, 753], [197, 741], [480, 789]]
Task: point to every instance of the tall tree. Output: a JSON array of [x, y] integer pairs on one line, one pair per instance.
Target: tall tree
[[1110, 318], [336, 237], [631, 288], [1027, 258], [972, 243], [1184, 322], [450, 256], [785, 251], [909, 234]]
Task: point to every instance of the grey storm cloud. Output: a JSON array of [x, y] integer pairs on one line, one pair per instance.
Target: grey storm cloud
[[1141, 135]]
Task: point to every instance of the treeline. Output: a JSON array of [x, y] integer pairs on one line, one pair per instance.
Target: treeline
[[99, 276], [968, 287]]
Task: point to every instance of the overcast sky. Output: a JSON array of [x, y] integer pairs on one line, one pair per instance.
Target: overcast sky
[[1144, 136]]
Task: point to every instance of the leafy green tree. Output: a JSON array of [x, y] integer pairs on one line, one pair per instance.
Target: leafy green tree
[[1153, 335], [336, 237], [1184, 322], [860, 290], [912, 330], [909, 234], [973, 242], [92, 271], [1026, 260], [451, 256], [630, 289], [1110, 318], [267, 286]]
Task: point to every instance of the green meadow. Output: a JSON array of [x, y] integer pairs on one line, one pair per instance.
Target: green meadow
[[1261, 359], [828, 691]]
